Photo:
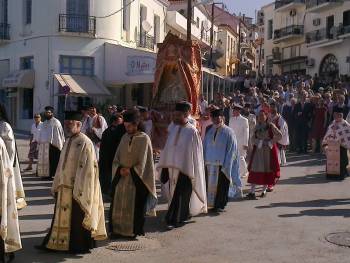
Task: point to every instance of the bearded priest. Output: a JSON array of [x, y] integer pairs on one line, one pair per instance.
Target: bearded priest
[[133, 188], [79, 213], [181, 169]]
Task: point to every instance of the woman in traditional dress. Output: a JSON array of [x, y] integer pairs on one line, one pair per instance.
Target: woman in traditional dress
[[264, 168], [319, 124]]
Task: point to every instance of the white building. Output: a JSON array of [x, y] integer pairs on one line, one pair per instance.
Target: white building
[[284, 41], [328, 38], [83, 48]]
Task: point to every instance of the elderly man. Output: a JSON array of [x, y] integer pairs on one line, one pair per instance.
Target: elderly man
[[181, 166], [221, 162], [336, 142], [79, 213], [51, 140], [240, 126]]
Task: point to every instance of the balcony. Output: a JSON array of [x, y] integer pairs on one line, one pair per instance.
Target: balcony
[[323, 37], [4, 32], [288, 33], [77, 24], [146, 41], [315, 6], [286, 5]]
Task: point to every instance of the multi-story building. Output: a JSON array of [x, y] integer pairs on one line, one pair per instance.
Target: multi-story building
[[228, 38], [284, 41], [328, 38], [308, 37], [66, 53]]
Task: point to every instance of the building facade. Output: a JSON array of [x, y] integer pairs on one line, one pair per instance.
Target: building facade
[[328, 38], [307, 37], [68, 53]]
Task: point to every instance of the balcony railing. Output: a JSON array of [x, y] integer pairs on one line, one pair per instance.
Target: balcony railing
[[314, 3], [324, 34], [4, 31], [77, 24], [282, 3], [146, 41], [288, 31]]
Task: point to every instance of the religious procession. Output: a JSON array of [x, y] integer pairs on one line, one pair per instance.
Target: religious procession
[[231, 145], [204, 163]]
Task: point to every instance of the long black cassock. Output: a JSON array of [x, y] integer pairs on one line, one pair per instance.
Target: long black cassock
[[181, 165], [133, 196], [109, 144]]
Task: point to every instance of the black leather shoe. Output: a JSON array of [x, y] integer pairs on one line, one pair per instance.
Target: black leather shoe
[[251, 196], [263, 194]]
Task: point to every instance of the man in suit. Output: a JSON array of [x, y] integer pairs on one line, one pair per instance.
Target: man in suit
[[287, 114], [302, 114]]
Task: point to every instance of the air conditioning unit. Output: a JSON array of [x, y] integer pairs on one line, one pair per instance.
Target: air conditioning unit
[[293, 12], [310, 62], [347, 59], [316, 22]]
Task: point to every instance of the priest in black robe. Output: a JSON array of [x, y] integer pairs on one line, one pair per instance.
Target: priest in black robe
[[109, 144], [133, 186]]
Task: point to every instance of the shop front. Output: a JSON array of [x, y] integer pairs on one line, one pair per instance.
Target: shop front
[[18, 92], [129, 74]]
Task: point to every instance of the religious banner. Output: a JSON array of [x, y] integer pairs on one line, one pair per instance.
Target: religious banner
[[177, 78]]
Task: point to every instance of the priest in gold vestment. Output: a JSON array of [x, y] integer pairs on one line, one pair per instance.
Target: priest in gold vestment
[[133, 187], [79, 213]]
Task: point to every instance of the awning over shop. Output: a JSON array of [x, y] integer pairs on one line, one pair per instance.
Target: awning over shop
[[78, 85], [19, 79]]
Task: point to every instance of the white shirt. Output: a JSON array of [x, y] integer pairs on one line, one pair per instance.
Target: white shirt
[[240, 126], [35, 131]]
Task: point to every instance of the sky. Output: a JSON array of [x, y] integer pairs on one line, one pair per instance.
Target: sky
[[247, 7]]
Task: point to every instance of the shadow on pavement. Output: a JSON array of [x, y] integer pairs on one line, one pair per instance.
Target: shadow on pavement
[[50, 201], [319, 178], [311, 203], [30, 254], [36, 217], [320, 212]]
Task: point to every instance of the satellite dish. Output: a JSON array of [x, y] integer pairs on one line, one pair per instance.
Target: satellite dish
[[146, 26], [206, 25]]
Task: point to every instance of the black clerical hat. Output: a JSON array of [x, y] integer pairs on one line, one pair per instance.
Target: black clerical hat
[[216, 112], [49, 108], [338, 109], [72, 116], [131, 116], [183, 106]]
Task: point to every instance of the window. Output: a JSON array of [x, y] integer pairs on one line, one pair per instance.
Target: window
[[4, 12], [293, 51], [77, 65], [27, 104], [197, 22], [346, 18], [156, 28], [270, 29], [27, 63], [28, 12]]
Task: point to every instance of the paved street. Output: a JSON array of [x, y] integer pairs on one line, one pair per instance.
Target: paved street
[[289, 225]]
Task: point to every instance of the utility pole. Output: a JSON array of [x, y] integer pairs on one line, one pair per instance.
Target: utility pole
[[212, 35], [189, 20], [260, 54], [239, 44]]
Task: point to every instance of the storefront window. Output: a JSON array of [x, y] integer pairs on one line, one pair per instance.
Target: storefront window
[[27, 104]]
